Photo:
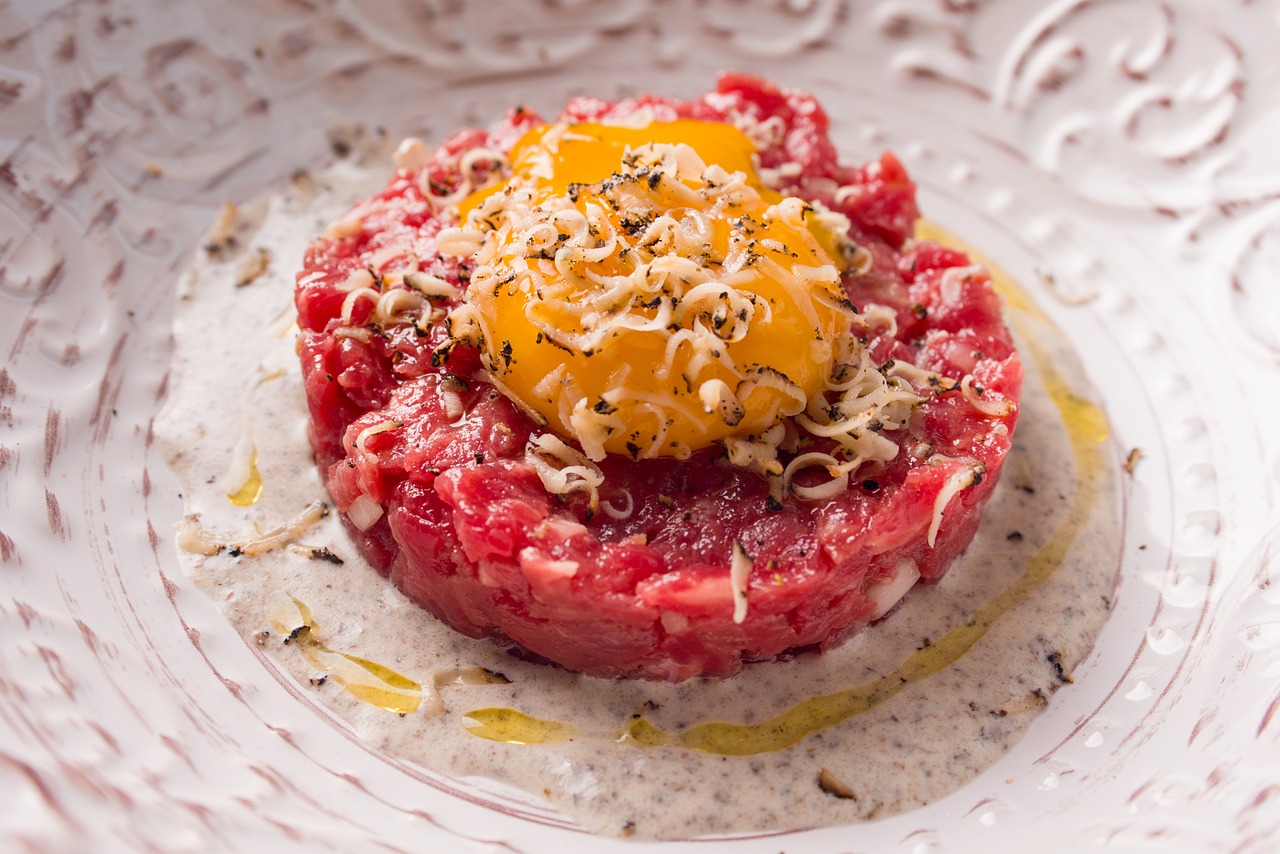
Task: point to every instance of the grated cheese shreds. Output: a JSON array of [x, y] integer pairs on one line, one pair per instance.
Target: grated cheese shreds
[[192, 538], [992, 408], [565, 260], [758, 454], [669, 285], [363, 437], [564, 470], [956, 483], [394, 304], [839, 473], [431, 287], [349, 302]]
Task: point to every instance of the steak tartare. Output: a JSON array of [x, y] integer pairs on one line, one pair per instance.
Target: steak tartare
[[641, 556]]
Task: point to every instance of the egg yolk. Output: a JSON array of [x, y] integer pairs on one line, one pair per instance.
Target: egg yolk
[[641, 291]]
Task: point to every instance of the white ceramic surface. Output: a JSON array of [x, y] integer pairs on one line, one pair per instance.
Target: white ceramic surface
[[1118, 158]]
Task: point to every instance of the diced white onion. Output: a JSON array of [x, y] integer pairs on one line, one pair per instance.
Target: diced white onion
[[739, 574], [889, 592], [364, 512]]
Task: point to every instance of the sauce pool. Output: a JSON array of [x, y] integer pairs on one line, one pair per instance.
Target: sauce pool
[[901, 715]]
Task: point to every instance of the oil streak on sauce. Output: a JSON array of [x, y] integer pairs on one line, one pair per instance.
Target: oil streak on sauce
[[365, 680], [901, 715]]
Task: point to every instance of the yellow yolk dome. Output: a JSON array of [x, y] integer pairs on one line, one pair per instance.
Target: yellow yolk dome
[[640, 291]]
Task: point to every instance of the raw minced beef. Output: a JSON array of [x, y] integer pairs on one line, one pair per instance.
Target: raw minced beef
[[427, 461]]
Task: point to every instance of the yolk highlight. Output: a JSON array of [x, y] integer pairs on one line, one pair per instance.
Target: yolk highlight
[[635, 305]]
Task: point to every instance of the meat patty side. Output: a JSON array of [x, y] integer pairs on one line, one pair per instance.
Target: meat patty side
[[427, 463]]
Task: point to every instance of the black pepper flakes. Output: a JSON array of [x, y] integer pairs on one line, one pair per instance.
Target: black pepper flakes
[[323, 553], [1055, 660]]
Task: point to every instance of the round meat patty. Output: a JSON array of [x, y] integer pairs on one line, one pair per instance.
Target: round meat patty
[[427, 461]]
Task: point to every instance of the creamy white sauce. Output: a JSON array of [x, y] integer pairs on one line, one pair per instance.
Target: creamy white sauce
[[236, 382]]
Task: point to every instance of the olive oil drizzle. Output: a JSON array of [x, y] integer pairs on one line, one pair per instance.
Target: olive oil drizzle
[[248, 492], [1087, 429], [250, 489], [513, 727], [365, 680]]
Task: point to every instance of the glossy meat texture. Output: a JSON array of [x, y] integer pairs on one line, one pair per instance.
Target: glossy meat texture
[[469, 533]]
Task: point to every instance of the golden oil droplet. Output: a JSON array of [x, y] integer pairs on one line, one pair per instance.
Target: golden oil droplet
[[251, 489], [513, 727], [641, 733]]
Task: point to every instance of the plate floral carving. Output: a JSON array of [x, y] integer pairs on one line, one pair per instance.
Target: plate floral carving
[[1124, 148]]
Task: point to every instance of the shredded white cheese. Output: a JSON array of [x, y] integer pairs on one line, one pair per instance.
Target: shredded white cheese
[[432, 287], [564, 470], [547, 249], [956, 483], [992, 408], [672, 286], [192, 538], [363, 437]]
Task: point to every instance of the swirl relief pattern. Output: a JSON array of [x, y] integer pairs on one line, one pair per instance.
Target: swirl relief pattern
[[1117, 158]]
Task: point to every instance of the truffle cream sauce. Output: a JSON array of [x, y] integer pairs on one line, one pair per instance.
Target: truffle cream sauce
[[901, 715]]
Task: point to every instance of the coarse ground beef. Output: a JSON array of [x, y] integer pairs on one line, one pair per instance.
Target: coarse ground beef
[[467, 529]]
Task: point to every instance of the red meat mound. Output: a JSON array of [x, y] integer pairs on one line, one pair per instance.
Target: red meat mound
[[467, 530]]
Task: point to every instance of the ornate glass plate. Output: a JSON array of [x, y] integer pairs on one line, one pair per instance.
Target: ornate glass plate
[[1118, 158]]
